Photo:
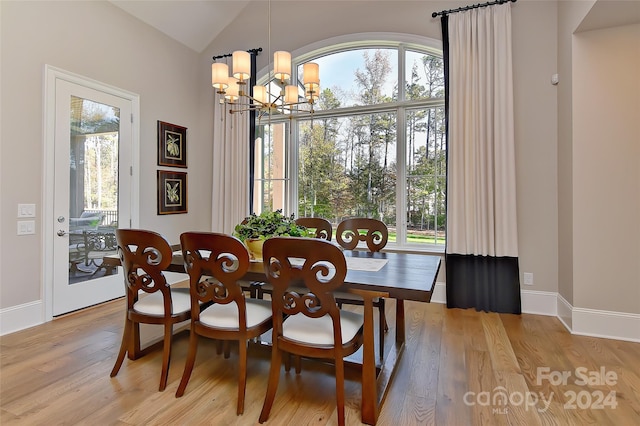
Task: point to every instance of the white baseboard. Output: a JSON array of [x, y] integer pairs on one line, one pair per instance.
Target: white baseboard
[[565, 312], [533, 302], [579, 321], [16, 318], [607, 324], [539, 302]]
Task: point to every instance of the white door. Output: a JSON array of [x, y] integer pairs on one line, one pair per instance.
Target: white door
[[92, 192]]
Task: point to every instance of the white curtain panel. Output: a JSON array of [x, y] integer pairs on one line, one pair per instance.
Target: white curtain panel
[[230, 200], [481, 191]]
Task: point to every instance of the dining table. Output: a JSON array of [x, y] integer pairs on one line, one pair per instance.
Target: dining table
[[404, 276]]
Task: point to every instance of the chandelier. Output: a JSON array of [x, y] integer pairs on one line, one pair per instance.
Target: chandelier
[[263, 101], [290, 97]]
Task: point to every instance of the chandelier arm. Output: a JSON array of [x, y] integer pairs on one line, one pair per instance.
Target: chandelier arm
[[249, 108]]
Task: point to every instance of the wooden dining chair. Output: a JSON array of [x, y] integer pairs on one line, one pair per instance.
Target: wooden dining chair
[[321, 227], [215, 263], [144, 255], [311, 324], [374, 233]]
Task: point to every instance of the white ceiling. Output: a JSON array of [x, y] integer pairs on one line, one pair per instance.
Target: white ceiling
[[194, 23]]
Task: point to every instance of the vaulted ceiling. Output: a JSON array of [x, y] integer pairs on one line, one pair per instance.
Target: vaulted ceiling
[[194, 23]]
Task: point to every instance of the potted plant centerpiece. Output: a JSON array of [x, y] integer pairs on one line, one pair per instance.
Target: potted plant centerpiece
[[255, 229]]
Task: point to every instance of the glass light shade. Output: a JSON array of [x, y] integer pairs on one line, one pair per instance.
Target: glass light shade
[[281, 65], [219, 76], [241, 64], [260, 94], [311, 73], [232, 92], [311, 90], [291, 94]]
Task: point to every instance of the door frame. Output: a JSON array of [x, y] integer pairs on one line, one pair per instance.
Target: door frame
[[51, 74]]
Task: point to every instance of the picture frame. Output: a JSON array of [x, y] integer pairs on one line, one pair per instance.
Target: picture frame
[[172, 145], [172, 192]]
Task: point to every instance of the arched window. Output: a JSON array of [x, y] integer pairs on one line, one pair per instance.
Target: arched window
[[374, 145]]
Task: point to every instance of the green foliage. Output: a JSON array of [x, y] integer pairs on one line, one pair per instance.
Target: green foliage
[[269, 224]]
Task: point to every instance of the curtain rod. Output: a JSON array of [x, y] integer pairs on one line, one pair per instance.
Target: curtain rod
[[473, 6], [251, 51]]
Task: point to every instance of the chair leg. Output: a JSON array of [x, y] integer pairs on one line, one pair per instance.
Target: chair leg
[[134, 350], [188, 366], [272, 385], [297, 361], [124, 345], [340, 390], [287, 362], [227, 349], [383, 325], [166, 355], [242, 372]]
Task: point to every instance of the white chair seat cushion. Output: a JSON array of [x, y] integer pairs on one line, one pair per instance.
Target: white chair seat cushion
[[226, 316], [153, 304], [319, 331]]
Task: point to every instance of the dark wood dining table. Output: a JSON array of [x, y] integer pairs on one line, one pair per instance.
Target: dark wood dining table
[[404, 276]]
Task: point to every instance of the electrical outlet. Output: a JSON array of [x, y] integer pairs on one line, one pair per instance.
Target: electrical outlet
[[528, 278]]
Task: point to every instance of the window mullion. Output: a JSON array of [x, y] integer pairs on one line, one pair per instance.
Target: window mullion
[[401, 73], [401, 178], [294, 153]]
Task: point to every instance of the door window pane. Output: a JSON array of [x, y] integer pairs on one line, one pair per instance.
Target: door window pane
[[93, 184]]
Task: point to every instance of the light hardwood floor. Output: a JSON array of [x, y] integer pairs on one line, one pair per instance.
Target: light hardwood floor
[[456, 366]]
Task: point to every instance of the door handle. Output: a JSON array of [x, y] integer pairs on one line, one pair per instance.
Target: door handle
[[61, 233]]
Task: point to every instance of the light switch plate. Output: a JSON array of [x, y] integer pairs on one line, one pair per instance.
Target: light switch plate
[[26, 227], [26, 210]]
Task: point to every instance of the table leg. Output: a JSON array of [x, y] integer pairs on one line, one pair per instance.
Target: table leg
[[400, 321], [370, 407]]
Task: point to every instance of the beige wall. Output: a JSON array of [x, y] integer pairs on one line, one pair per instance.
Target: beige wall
[[570, 14], [606, 169], [99, 41], [598, 158]]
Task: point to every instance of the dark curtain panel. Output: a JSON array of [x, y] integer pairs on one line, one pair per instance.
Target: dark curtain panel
[[483, 282]]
